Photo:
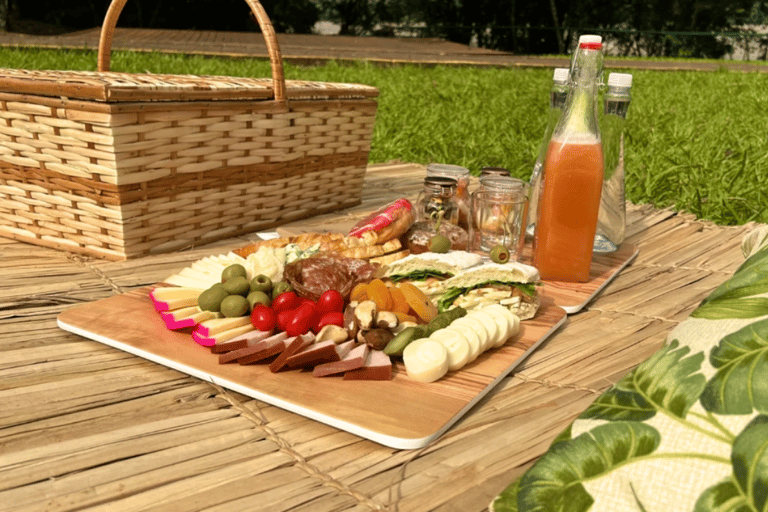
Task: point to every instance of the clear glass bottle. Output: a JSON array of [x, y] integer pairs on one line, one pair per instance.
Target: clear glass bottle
[[461, 176], [612, 216], [557, 96], [572, 176]]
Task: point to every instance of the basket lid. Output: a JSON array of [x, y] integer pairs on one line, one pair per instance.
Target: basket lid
[[113, 87]]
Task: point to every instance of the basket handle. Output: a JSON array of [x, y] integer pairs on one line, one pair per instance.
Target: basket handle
[[267, 30]]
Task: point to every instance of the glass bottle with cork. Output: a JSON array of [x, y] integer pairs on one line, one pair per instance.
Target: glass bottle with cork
[[572, 176]]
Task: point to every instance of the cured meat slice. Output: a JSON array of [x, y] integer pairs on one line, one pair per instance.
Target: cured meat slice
[[323, 352], [235, 355], [355, 359], [248, 339], [312, 276], [378, 366], [300, 343]]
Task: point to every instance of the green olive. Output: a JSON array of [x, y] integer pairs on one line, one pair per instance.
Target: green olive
[[234, 305], [281, 287], [210, 299], [439, 243], [261, 283], [234, 270], [499, 254], [237, 286], [258, 297]]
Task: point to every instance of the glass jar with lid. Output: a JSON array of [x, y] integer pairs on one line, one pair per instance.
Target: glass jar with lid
[[461, 175], [494, 171], [438, 197]]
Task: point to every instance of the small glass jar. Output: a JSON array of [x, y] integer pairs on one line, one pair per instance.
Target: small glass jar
[[494, 171], [461, 175], [438, 195]]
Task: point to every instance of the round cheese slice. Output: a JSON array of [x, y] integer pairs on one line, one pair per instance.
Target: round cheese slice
[[426, 361], [490, 326], [512, 320], [475, 333], [457, 346], [472, 337]]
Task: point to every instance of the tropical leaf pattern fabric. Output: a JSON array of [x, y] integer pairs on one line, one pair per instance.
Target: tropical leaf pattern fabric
[[686, 430]]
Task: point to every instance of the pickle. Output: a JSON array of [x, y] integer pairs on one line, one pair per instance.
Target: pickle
[[444, 319], [397, 344]]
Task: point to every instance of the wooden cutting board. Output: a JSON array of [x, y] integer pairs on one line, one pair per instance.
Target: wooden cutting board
[[400, 413]]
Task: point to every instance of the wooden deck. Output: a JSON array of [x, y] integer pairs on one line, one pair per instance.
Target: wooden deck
[[84, 426], [317, 49]]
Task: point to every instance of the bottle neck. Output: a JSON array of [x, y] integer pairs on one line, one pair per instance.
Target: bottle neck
[[580, 112]]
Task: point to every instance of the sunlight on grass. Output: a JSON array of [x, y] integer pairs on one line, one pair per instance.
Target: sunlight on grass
[[696, 140]]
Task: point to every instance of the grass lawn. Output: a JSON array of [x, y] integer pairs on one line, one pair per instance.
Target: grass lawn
[[697, 141]]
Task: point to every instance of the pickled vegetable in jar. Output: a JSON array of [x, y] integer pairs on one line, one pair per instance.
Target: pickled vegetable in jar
[[461, 175], [438, 199]]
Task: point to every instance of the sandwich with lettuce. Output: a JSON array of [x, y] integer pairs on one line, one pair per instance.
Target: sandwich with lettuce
[[512, 285], [427, 270]]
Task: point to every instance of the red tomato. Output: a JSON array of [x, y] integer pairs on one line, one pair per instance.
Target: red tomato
[[301, 320], [331, 318], [284, 317], [263, 318], [330, 301], [285, 301]]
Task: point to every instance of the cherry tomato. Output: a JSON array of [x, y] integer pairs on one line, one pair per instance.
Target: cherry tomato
[[284, 317], [330, 301], [301, 320], [263, 318], [330, 318], [285, 301]]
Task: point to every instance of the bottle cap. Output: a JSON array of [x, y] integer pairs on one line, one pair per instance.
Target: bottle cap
[[561, 75], [620, 80], [591, 42]]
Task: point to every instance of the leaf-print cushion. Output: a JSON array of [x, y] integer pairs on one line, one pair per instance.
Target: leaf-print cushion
[[687, 430]]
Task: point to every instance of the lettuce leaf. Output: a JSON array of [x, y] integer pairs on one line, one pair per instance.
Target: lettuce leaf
[[445, 300]]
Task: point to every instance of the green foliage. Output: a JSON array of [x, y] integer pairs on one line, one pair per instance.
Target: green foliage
[[741, 360], [286, 15], [667, 381], [695, 141], [555, 482]]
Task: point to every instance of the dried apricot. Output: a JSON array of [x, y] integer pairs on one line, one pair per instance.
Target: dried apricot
[[419, 302], [379, 293], [404, 317], [399, 304], [359, 293]]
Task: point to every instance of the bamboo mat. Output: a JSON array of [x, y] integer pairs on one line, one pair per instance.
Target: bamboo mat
[[87, 427]]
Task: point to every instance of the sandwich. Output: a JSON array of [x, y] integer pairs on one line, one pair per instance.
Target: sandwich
[[513, 285], [427, 270]]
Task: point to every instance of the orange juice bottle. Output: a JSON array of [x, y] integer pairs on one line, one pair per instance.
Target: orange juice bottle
[[572, 176]]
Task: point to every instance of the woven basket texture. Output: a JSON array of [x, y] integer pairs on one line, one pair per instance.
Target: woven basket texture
[[117, 165], [120, 180]]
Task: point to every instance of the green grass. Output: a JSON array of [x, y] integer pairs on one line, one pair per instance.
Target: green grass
[[697, 141]]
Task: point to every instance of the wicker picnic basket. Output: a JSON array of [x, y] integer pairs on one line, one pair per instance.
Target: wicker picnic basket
[[116, 165]]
